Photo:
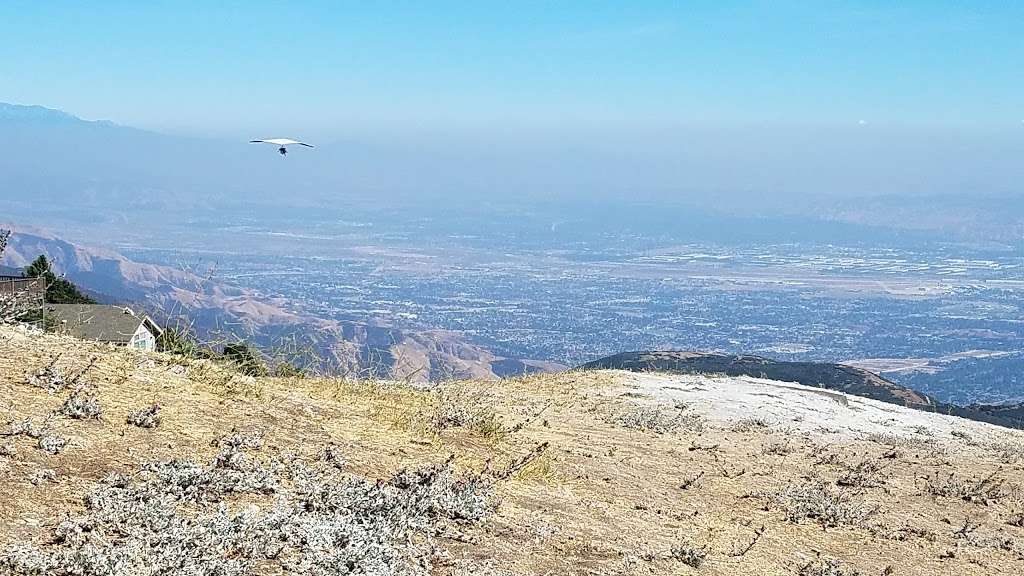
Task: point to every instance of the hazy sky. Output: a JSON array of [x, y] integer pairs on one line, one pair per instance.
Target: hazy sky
[[332, 69]]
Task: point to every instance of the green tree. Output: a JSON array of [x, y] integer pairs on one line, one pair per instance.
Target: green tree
[[58, 290], [246, 359]]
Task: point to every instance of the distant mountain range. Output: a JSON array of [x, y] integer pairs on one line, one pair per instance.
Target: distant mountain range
[[848, 379], [98, 169], [222, 312]]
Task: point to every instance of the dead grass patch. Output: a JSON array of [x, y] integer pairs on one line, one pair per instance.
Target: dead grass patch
[[822, 503], [658, 420], [984, 490]]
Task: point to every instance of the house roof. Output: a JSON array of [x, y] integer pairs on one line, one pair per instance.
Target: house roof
[[99, 321]]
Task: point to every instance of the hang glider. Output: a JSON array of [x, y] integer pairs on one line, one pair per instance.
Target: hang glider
[[282, 144]]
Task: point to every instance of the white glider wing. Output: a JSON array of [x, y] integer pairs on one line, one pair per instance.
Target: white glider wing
[[282, 142]]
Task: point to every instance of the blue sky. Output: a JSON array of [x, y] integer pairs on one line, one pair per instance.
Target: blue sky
[[323, 68]]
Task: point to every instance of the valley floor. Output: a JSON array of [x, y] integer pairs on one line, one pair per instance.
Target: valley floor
[[598, 473]]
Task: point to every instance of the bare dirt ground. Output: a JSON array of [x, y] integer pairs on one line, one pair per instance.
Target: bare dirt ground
[[595, 473]]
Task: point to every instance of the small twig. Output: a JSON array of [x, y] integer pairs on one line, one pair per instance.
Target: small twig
[[738, 552], [517, 465], [77, 377], [966, 530], [704, 448], [733, 474], [690, 482]]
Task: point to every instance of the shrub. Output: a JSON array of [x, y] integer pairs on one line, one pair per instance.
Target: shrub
[[464, 406], [51, 443], [81, 405], [43, 475], [822, 503], [750, 425], [288, 370], [826, 567], [148, 417], [865, 474], [245, 359], [173, 517], [777, 448], [657, 420], [50, 377], [690, 555], [45, 439], [979, 491]]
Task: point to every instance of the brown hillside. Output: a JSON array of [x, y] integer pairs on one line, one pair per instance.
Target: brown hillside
[[593, 473]]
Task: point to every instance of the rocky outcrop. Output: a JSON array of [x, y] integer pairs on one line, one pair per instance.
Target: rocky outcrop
[[848, 379]]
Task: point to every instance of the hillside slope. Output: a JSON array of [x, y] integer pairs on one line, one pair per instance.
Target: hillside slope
[[847, 379], [219, 311], [591, 472]]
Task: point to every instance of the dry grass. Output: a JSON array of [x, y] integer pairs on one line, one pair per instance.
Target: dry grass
[[578, 491]]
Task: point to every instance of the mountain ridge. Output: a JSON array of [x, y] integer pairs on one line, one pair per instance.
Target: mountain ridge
[[218, 311]]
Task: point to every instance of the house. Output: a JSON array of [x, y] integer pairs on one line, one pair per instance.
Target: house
[[118, 325], [31, 291]]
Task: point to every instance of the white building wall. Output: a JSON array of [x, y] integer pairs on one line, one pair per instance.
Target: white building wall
[[143, 339]]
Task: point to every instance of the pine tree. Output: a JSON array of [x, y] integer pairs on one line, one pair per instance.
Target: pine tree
[[58, 290]]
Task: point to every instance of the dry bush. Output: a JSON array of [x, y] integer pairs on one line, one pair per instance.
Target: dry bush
[[148, 417], [922, 430], [750, 425], [971, 533], [82, 405], [1009, 451], [50, 377], [962, 436], [177, 517], [865, 474], [893, 441], [689, 554], [225, 381], [903, 533], [691, 482], [541, 469], [654, 419], [829, 459], [825, 567], [333, 456], [1015, 503], [985, 490], [26, 427], [822, 503], [42, 475], [469, 407], [777, 448], [46, 439], [51, 443]]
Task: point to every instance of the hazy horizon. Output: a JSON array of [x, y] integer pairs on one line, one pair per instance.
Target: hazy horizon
[[651, 100]]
